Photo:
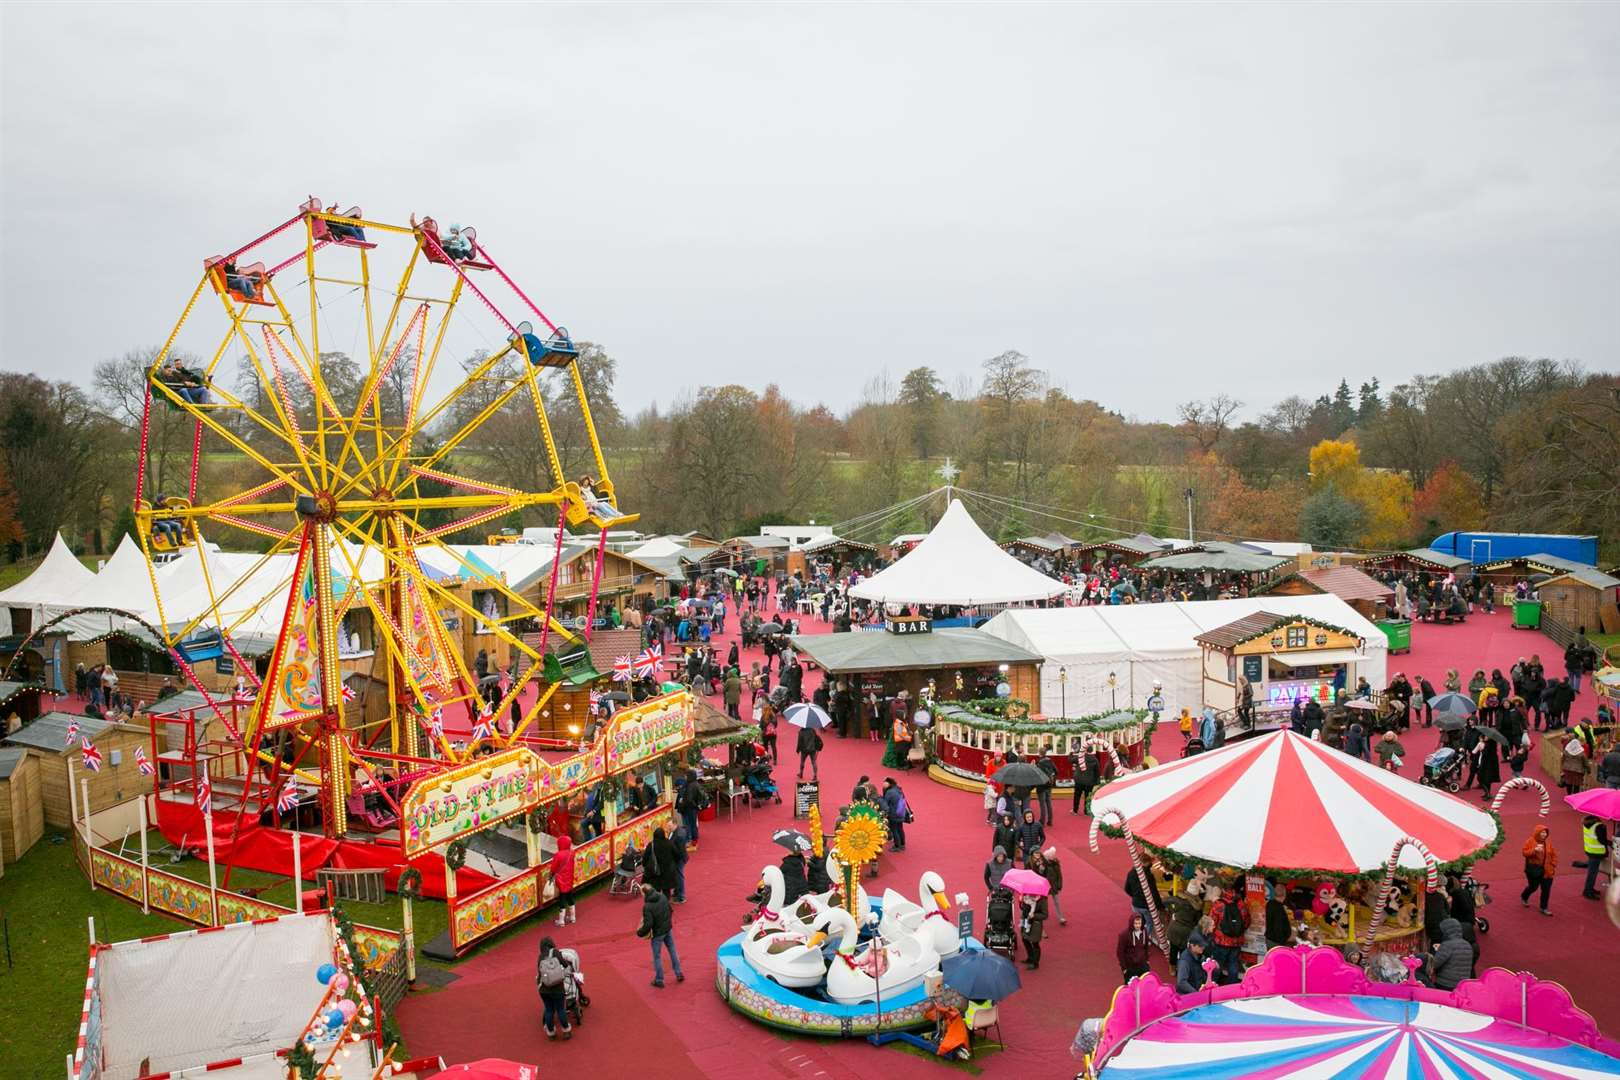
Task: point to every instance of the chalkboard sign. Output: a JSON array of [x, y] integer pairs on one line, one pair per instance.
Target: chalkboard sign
[[806, 793], [964, 922], [225, 665], [1251, 668]]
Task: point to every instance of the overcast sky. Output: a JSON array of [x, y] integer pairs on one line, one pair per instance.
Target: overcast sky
[[1152, 202]]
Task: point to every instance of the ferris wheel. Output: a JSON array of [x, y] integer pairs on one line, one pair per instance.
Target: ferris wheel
[[346, 482]]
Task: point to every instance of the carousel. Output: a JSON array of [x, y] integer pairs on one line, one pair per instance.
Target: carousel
[[974, 738], [1304, 1011], [841, 962], [1350, 848]]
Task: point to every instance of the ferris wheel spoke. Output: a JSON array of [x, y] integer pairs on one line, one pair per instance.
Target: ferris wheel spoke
[[211, 421], [525, 610], [369, 396], [276, 590]]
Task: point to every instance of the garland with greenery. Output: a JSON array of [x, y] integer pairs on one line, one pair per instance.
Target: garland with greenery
[[747, 733], [1175, 860], [1289, 620], [410, 884], [1012, 715], [385, 1022], [455, 854], [302, 1059]]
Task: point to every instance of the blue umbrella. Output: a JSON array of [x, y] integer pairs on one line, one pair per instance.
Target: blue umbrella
[[1452, 703], [980, 975]]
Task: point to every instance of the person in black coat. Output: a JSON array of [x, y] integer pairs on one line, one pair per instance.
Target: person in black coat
[[1133, 889], [1086, 775], [1426, 688], [1005, 836], [795, 877]]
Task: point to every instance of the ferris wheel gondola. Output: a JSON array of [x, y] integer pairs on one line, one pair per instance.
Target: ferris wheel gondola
[[345, 493]]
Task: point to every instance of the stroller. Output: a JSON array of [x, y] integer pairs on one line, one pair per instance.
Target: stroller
[[627, 874], [1193, 746], [574, 997], [998, 924], [1443, 769], [761, 788]]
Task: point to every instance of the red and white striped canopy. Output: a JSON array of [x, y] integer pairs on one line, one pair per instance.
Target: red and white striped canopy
[[1285, 802]]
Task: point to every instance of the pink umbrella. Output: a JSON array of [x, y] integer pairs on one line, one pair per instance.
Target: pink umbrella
[[1599, 802], [1026, 882], [492, 1069]]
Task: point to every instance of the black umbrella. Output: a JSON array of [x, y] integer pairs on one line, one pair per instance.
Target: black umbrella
[[980, 975], [1492, 733], [1021, 774], [1450, 721], [616, 695], [771, 628], [792, 839]]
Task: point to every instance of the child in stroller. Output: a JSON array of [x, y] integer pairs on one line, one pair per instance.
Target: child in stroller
[[759, 783], [998, 924], [574, 988], [1443, 769], [627, 874]]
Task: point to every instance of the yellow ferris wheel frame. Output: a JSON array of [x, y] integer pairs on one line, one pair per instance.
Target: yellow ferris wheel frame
[[347, 485]]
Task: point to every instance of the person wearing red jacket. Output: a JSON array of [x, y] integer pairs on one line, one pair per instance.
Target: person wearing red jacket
[[562, 875], [1231, 917]]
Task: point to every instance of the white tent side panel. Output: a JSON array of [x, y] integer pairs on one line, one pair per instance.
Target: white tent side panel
[[1138, 643], [196, 998]]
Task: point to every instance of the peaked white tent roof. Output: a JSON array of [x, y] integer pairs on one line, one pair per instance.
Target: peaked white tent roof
[[958, 564], [60, 572]]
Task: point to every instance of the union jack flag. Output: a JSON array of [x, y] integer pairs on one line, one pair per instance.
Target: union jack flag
[[480, 730], [596, 698], [72, 732], [621, 668], [436, 727], [655, 653], [205, 794], [645, 664], [142, 763], [90, 755], [348, 692], [288, 799]]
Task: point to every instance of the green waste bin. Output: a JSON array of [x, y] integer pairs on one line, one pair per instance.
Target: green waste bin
[[1399, 633], [1527, 614]]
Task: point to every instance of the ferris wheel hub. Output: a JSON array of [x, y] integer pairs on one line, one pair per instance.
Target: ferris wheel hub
[[321, 506]]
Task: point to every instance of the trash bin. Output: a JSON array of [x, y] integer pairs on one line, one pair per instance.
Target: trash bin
[[1399, 633], [1527, 614]]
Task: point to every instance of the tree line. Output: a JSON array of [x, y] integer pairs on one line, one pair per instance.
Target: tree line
[[1517, 444]]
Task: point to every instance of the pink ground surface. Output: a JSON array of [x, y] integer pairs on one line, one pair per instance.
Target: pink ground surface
[[686, 1030]]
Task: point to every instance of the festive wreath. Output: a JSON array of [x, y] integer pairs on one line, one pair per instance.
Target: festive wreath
[[455, 854], [410, 884]]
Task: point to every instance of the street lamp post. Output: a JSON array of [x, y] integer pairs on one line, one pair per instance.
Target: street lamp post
[[1113, 695], [1063, 690]]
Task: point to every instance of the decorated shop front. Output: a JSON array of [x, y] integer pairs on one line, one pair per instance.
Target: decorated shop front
[[972, 738], [1284, 658], [608, 796]]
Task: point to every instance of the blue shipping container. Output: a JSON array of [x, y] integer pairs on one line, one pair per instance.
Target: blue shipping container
[[1484, 547]]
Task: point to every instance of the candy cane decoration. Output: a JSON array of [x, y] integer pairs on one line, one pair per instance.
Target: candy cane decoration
[[1136, 863], [1523, 782], [1432, 869], [1092, 741]]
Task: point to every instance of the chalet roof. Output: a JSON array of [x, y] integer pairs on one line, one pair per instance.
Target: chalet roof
[[1345, 582]]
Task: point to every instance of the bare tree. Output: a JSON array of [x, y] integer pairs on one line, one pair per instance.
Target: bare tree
[[1207, 420]]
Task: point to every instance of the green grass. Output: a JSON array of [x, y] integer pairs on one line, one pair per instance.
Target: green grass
[[46, 900]]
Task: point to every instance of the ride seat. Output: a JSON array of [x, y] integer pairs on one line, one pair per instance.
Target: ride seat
[[428, 225], [579, 511], [148, 515], [254, 273], [322, 230]]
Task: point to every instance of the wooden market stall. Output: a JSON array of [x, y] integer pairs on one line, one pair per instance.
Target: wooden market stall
[[19, 704], [1283, 657], [910, 657], [118, 780], [22, 806], [1584, 597], [1367, 595]]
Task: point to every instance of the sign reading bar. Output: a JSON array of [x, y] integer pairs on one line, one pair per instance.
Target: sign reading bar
[[909, 625], [470, 797], [647, 731]]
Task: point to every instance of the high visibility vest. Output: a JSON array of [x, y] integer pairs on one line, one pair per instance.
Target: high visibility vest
[[1590, 842]]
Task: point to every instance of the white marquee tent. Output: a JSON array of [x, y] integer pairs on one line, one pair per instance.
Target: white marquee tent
[[59, 573], [1138, 643], [958, 565]]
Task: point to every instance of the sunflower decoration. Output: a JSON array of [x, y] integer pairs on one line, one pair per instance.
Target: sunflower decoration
[[862, 834]]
